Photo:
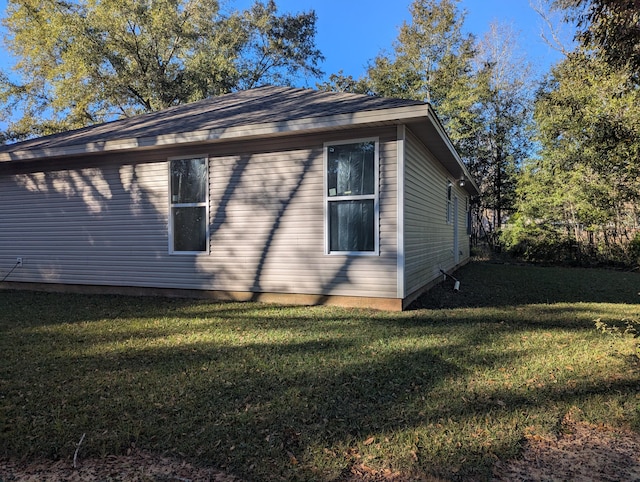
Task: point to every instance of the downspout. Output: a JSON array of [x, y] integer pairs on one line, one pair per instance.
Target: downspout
[[456, 285]]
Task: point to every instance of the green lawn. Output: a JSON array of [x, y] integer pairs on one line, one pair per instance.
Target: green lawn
[[289, 393]]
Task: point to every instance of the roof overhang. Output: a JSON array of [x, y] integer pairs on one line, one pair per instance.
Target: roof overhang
[[420, 118], [433, 135], [268, 129]]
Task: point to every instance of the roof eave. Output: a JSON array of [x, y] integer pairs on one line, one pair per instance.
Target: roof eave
[[452, 161], [269, 129]]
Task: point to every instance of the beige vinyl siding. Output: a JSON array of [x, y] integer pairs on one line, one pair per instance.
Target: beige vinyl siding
[[268, 211], [428, 237], [107, 224], [98, 225]]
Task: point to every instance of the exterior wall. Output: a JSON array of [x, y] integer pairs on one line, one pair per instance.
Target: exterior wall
[[103, 221], [428, 236]]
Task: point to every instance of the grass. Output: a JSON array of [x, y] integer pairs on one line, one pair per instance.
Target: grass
[[303, 393]]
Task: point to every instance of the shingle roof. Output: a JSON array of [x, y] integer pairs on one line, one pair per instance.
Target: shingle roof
[[260, 112], [244, 108]]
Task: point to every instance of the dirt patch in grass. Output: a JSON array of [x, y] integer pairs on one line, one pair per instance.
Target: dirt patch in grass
[[579, 452], [138, 466], [144, 467]]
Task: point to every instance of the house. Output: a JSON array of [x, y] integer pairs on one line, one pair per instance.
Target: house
[[273, 194]]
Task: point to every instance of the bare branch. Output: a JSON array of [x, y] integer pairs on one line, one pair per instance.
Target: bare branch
[[554, 41]]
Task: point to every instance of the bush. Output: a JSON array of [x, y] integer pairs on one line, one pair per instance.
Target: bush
[[546, 243], [634, 250], [538, 243]]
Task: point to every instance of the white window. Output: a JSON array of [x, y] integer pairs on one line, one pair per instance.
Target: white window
[[188, 205], [449, 203], [351, 194]]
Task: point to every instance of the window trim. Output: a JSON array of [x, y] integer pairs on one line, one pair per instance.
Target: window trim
[[172, 205], [375, 196]]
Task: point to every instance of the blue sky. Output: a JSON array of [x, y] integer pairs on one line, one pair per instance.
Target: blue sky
[[352, 32]]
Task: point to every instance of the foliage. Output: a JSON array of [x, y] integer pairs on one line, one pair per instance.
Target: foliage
[[634, 249], [431, 61], [611, 27], [536, 242], [503, 140], [626, 327], [89, 61], [344, 83], [305, 393], [585, 184]]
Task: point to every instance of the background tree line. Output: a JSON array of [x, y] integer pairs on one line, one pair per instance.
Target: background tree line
[[557, 160], [578, 198]]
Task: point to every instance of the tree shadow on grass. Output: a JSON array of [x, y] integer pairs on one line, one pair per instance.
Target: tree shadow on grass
[[262, 409]]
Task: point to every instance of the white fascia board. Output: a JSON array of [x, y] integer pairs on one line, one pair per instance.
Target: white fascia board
[[238, 132]]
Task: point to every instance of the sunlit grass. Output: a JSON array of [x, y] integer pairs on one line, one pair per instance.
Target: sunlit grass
[[272, 393]]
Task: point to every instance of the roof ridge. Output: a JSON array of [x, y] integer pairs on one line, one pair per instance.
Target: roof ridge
[[264, 104]]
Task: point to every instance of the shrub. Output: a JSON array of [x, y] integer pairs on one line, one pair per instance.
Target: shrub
[[537, 243], [634, 250]]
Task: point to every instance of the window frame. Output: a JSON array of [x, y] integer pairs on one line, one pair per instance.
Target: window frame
[[172, 205], [360, 197]]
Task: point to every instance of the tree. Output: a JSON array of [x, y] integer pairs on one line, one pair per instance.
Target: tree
[[503, 141], [611, 27], [431, 61], [345, 83], [584, 188], [589, 114], [479, 91], [87, 61]]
